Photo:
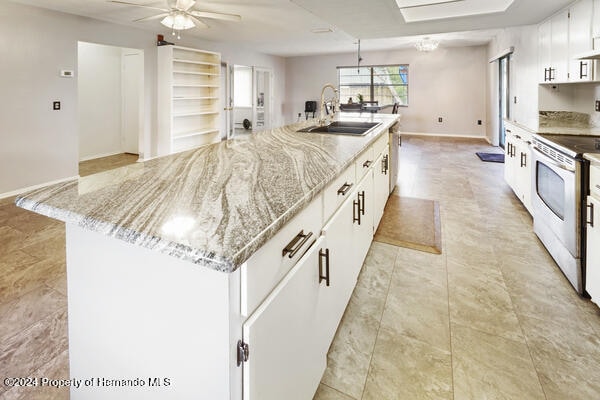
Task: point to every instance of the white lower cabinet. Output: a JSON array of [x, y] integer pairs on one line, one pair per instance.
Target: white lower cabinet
[[592, 278], [517, 163], [286, 358], [381, 186], [592, 274]]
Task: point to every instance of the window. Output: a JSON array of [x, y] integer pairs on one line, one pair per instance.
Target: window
[[384, 84]]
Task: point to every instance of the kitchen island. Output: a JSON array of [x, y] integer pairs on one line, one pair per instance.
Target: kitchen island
[[174, 289]]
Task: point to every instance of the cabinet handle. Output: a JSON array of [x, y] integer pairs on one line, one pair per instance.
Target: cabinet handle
[[552, 75], [326, 276], [546, 78], [384, 165], [518, 137], [523, 159], [355, 212], [344, 189], [367, 164], [591, 221], [296, 244], [581, 65], [361, 203], [508, 130]]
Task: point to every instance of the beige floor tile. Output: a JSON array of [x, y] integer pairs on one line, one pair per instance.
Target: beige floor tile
[[404, 368], [324, 392], [491, 367], [35, 346], [350, 353], [479, 299], [566, 359], [16, 281]]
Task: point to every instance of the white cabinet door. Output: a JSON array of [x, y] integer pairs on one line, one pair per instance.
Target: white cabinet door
[[596, 19], [560, 47], [580, 40], [341, 264], [381, 184], [363, 223], [592, 279], [523, 175], [509, 161], [544, 56], [286, 360]]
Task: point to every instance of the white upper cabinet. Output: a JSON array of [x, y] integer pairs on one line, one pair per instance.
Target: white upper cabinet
[[580, 40], [596, 20], [564, 36]]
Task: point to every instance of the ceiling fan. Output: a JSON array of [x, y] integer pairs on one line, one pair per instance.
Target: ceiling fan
[[180, 15]]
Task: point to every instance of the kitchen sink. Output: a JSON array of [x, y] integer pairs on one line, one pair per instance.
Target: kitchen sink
[[343, 128]]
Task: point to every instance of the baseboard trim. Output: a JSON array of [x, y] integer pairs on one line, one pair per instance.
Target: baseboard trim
[[442, 135], [99, 156], [34, 187]]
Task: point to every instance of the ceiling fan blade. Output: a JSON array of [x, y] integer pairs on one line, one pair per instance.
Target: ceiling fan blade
[[200, 23], [137, 5], [214, 15], [158, 16], [185, 4]]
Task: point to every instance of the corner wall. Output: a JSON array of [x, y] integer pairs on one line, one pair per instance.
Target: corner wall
[[447, 83], [523, 78], [39, 145]]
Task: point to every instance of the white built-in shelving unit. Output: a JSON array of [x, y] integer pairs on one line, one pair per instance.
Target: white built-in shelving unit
[[188, 98]]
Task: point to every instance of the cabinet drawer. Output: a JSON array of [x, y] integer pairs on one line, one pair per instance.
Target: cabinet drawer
[[364, 162], [265, 268], [338, 191], [380, 145], [595, 181]]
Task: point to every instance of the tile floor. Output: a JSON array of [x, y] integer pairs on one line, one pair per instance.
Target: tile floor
[[490, 318]]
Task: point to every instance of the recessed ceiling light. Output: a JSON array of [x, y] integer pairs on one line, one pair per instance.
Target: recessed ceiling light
[[322, 30]]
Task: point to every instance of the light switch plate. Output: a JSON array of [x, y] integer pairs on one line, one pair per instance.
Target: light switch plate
[[597, 105]]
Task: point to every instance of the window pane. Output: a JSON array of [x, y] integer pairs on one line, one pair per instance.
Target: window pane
[[389, 84]]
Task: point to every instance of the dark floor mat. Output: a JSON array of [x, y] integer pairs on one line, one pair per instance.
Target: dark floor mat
[[491, 157]]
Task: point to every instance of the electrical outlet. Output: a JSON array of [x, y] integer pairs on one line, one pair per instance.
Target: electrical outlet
[[439, 119], [515, 101], [597, 105], [56, 105], [478, 122]]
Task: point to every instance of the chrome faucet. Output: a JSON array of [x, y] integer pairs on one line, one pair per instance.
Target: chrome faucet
[[335, 103]]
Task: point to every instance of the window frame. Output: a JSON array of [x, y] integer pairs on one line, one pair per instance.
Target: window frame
[[372, 84]]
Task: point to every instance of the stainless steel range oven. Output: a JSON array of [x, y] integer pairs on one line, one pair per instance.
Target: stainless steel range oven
[[560, 183]]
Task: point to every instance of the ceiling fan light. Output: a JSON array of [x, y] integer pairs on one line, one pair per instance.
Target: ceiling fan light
[[178, 21]]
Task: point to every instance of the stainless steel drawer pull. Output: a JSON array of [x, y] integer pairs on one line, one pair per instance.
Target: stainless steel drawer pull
[[296, 244], [367, 163], [591, 221], [384, 164], [356, 211], [361, 203], [344, 188], [326, 276]]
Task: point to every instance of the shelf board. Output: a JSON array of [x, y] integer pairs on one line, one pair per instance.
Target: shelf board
[[196, 98], [182, 60], [194, 113], [192, 85], [194, 133], [196, 73]]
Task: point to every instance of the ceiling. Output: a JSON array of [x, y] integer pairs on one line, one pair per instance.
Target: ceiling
[[284, 27]]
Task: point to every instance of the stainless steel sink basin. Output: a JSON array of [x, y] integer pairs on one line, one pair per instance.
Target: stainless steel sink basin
[[343, 128]]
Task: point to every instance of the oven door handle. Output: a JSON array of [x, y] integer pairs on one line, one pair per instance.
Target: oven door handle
[[551, 161]]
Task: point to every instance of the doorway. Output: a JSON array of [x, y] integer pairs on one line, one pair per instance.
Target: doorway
[[503, 97], [110, 91]]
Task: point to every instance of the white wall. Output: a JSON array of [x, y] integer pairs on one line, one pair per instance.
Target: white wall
[[39, 145], [99, 100], [523, 78], [447, 83]]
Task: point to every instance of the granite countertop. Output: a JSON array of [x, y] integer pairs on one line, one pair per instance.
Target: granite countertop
[[212, 206]]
